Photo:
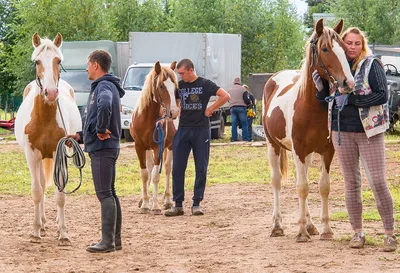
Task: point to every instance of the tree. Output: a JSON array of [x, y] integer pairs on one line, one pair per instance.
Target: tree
[[377, 18], [7, 78]]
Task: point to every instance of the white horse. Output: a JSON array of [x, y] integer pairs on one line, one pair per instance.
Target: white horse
[[48, 104]]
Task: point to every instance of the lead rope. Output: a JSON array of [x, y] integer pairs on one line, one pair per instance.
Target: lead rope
[[340, 109], [61, 160], [160, 140]]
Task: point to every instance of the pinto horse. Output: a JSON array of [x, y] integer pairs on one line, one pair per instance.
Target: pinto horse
[[294, 120], [47, 113], [157, 101]]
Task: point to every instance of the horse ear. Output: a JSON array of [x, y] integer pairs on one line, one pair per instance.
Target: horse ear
[[157, 67], [35, 40], [173, 65], [319, 27], [339, 27], [58, 40]]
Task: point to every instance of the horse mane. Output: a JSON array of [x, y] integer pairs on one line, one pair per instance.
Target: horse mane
[[325, 39], [46, 44], [149, 87]]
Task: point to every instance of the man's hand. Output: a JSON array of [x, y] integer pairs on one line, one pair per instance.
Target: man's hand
[[208, 112], [104, 136], [76, 137]]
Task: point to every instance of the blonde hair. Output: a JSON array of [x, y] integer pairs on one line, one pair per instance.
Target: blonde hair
[[365, 51]]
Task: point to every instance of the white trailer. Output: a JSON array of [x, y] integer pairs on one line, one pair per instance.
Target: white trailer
[[216, 57]]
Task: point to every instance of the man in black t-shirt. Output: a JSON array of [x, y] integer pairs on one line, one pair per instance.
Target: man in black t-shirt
[[193, 134]]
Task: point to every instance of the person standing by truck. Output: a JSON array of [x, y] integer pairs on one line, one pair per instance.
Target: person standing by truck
[[101, 135], [237, 108], [193, 134], [251, 111]]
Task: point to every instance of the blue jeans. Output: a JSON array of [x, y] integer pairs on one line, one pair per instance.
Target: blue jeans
[[239, 113]]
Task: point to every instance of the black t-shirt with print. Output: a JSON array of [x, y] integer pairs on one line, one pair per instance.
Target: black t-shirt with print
[[194, 98]]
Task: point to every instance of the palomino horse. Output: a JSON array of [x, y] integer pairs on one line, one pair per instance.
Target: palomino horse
[[295, 120], [48, 104], [157, 101]]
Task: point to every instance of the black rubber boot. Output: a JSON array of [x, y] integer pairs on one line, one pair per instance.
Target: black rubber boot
[[118, 243], [108, 223]]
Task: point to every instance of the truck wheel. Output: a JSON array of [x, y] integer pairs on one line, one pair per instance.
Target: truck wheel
[[127, 136], [218, 133]]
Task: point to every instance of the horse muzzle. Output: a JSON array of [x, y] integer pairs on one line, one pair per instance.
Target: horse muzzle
[[51, 95]]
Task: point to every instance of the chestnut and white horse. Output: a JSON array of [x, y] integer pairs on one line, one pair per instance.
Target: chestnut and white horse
[[294, 120], [157, 101], [39, 126]]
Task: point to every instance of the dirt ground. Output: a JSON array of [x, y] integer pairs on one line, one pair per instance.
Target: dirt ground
[[232, 236]]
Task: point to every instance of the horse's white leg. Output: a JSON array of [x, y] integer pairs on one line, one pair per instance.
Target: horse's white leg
[[168, 169], [302, 192], [61, 226], [155, 176], [37, 193], [324, 188], [276, 178], [145, 175], [41, 203]]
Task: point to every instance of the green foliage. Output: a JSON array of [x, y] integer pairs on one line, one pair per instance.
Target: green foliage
[[272, 34], [379, 19]]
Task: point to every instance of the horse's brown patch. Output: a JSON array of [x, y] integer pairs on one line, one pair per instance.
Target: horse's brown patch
[[27, 90], [39, 69], [56, 69], [42, 130], [277, 118], [310, 135], [72, 93], [270, 89]]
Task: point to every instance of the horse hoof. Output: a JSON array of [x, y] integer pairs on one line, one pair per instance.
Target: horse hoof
[[312, 230], [301, 238], [64, 242], [140, 203], [35, 239], [156, 211], [167, 206], [144, 210], [326, 236], [277, 232], [42, 232]]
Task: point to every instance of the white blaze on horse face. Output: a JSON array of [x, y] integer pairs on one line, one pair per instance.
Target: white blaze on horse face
[[49, 77], [171, 91], [338, 50]]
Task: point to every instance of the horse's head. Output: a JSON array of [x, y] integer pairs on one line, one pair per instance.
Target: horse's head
[[165, 87], [326, 53], [47, 57]]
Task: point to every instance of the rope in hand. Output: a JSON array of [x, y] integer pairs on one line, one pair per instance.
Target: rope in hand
[[159, 132], [61, 163], [340, 109]]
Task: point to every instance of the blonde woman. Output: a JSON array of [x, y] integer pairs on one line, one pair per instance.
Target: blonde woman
[[358, 121]]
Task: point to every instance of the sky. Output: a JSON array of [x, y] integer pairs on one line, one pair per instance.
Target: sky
[[300, 5]]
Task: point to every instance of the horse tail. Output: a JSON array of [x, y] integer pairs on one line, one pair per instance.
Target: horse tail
[[283, 158], [48, 169]]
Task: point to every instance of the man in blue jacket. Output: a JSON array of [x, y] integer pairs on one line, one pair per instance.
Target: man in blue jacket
[[101, 135]]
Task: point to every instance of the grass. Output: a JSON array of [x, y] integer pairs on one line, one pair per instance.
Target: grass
[[228, 164]]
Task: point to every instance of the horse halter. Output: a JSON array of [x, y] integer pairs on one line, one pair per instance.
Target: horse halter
[[167, 113], [315, 53], [39, 83]]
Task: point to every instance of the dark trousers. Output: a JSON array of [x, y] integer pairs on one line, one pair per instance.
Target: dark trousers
[[185, 140], [103, 171], [250, 128]]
